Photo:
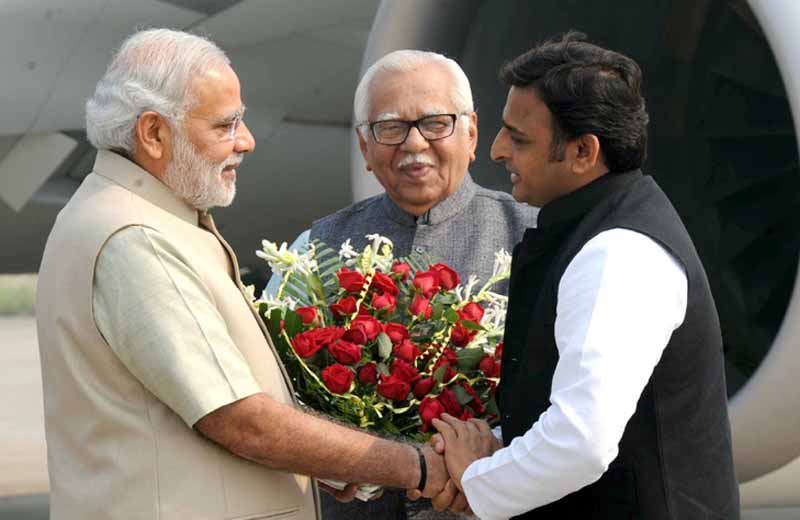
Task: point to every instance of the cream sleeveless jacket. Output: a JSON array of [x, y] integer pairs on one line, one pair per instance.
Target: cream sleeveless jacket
[[114, 450]]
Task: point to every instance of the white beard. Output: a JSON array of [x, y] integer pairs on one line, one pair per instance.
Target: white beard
[[196, 179]]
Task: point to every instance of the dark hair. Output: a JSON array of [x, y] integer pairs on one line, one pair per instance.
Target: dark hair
[[588, 90]]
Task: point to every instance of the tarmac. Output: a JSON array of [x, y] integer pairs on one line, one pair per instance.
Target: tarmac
[[23, 451]]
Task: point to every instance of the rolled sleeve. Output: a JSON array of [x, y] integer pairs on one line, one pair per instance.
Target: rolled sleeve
[[159, 318]]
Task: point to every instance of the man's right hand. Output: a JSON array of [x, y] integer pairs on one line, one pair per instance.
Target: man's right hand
[[451, 498], [437, 476]]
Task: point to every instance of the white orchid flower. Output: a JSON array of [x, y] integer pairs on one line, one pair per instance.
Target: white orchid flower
[[284, 261]]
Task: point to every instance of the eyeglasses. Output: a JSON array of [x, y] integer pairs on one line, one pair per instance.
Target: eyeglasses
[[395, 131], [232, 127], [225, 129]]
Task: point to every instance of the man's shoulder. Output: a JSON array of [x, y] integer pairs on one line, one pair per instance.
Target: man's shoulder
[[353, 210], [503, 200]]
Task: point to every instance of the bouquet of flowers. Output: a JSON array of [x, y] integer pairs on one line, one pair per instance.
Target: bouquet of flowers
[[383, 344]]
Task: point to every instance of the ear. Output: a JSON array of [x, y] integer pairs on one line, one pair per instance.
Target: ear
[[153, 135], [362, 144], [585, 154], [472, 132]]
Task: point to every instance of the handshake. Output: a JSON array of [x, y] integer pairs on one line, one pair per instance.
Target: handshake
[[442, 464], [457, 445]]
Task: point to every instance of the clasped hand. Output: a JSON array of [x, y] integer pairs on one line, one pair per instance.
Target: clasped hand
[[461, 443]]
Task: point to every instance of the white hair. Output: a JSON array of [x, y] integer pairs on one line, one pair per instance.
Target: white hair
[[152, 70], [405, 61]]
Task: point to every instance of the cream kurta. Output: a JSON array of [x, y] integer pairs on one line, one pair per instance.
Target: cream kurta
[[118, 441]]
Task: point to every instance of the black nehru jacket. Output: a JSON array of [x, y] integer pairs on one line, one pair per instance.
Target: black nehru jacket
[[675, 459]]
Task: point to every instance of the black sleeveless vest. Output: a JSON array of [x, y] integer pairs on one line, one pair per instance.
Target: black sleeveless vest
[[675, 460]]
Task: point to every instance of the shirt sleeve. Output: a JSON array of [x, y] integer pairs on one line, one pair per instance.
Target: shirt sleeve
[[619, 301], [275, 280], [158, 317]]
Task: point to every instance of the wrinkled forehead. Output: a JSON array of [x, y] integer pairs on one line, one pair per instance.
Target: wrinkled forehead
[[412, 94]]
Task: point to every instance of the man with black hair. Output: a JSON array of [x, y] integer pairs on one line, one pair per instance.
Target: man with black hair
[[613, 395]]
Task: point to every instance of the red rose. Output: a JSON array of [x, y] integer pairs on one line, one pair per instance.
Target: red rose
[[307, 314], [498, 351], [392, 387], [451, 356], [406, 351], [448, 278], [384, 284], [368, 325], [430, 409], [461, 336], [305, 345], [384, 302], [449, 373], [476, 403], [350, 281], [338, 378], [471, 312], [368, 374], [363, 311], [427, 282], [397, 332], [344, 307], [356, 336], [466, 414], [404, 371], [450, 403], [345, 352], [489, 366], [402, 269], [421, 307], [326, 335], [423, 387]]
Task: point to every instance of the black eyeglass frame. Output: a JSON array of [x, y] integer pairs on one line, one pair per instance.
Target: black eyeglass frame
[[410, 125]]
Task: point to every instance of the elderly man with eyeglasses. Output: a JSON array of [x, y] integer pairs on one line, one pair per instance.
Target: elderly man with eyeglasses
[[417, 131], [164, 396]]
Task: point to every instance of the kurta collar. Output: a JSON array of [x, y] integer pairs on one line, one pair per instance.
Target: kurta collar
[[444, 210], [133, 178], [575, 205]]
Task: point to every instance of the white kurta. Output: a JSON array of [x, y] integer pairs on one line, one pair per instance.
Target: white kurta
[[619, 301]]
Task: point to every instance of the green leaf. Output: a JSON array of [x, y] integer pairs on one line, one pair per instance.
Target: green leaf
[[293, 323], [491, 407], [438, 309], [438, 376], [451, 315], [468, 358], [384, 346], [471, 325], [383, 369], [301, 297], [315, 286], [447, 298], [462, 396], [275, 323]]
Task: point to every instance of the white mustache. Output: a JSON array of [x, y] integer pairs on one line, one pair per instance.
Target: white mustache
[[415, 159], [233, 160]]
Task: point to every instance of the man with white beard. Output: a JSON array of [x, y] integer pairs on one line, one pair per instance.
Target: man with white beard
[[164, 396]]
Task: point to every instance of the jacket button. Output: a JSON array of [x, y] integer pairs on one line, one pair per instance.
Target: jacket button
[[507, 417], [420, 249]]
